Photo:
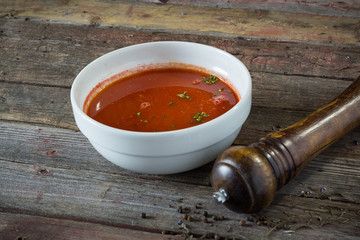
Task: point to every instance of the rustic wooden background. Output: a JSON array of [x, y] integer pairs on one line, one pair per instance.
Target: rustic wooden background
[[54, 185]]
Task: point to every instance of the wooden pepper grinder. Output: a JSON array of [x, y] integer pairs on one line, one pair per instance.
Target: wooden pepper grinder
[[246, 178]]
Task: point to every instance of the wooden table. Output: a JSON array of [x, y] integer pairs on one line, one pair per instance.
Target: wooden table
[[54, 185]]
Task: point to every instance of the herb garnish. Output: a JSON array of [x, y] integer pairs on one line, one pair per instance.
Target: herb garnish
[[170, 103], [199, 116], [184, 95], [138, 114], [144, 121], [211, 79], [221, 89]]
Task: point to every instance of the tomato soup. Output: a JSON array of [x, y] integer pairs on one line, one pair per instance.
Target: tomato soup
[[161, 100]]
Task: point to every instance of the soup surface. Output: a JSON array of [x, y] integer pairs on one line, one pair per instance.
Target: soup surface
[[161, 100]]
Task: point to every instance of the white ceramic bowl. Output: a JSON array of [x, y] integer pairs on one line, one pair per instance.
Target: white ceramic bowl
[[171, 151]]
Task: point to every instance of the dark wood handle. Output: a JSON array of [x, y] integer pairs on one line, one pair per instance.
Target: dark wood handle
[[248, 177]]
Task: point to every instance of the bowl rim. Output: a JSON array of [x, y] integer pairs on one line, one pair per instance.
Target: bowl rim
[[247, 94]]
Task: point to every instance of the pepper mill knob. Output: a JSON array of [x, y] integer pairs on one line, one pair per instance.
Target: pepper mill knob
[[221, 196], [246, 178]]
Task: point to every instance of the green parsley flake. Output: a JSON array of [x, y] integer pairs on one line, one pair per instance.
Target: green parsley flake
[[211, 79], [184, 95], [138, 114], [170, 103], [199, 116]]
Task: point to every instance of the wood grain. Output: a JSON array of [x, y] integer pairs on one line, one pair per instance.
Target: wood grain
[[58, 185], [346, 8], [52, 176], [21, 226], [44, 61], [250, 24], [69, 149], [51, 105], [57, 52]]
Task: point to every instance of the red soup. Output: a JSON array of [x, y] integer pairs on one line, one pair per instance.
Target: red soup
[[161, 100]]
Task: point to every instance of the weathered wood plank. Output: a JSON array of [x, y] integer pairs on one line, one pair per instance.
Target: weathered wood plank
[[36, 104], [278, 26], [54, 66], [43, 185], [51, 104], [67, 149], [21, 226], [346, 8], [36, 52]]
